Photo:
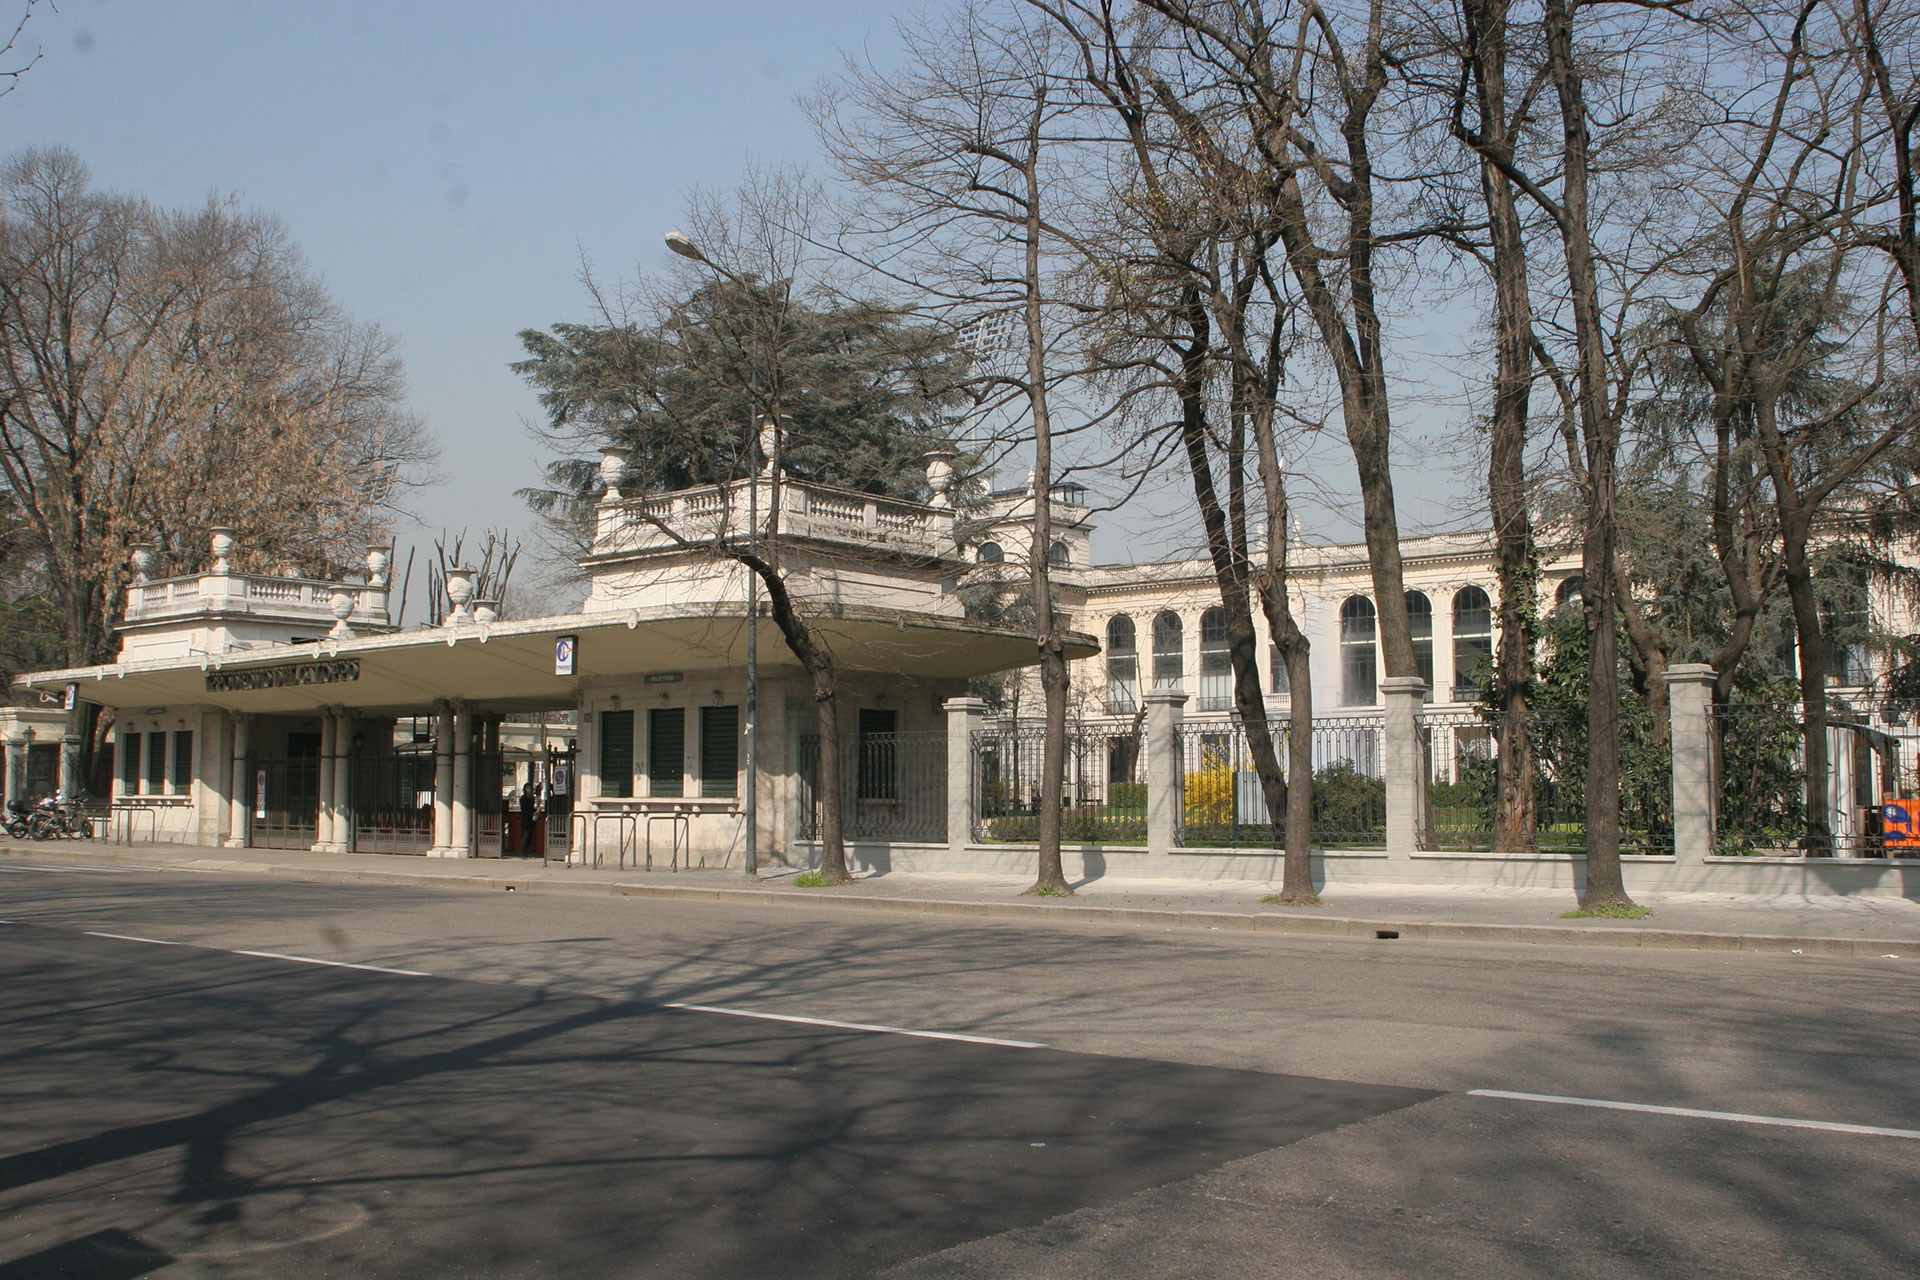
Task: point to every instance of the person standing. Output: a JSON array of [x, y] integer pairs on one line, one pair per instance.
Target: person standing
[[529, 814]]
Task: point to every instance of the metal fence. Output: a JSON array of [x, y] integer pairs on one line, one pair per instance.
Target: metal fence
[[1760, 776], [893, 786], [1462, 772], [1104, 795], [1224, 804]]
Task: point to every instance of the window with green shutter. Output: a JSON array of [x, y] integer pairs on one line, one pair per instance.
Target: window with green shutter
[[156, 762], [666, 751], [130, 763], [616, 753], [719, 751], [181, 776]]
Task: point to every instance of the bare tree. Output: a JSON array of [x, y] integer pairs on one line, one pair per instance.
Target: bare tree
[[969, 154], [1497, 115], [153, 365]]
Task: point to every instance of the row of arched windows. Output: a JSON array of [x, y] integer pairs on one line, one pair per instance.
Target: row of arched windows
[[1472, 643], [1472, 652], [993, 553]]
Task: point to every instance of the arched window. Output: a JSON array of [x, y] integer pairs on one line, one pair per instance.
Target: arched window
[[1472, 642], [1168, 670], [1420, 624], [1357, 684], [1057, 553], [1569, 591], [1216, 676], [989, 553], [1123, 667]]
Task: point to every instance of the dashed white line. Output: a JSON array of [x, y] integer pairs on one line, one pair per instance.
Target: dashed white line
[[858, 1026], [128, 937], [23, 868], [332, 964], [1691, 1113]]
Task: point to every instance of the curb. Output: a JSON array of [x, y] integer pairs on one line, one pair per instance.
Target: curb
[[1265, 922]]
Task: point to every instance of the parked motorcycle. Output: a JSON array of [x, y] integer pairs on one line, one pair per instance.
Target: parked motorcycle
[[44, 820], [51, 819], [14, 820]]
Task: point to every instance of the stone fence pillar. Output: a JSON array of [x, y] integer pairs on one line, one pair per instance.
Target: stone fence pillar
[[1166, 781], [1689, 710], [964, 717], [1405, 765]]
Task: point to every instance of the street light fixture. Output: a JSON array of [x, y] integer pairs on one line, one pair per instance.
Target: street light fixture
[[683, 244]]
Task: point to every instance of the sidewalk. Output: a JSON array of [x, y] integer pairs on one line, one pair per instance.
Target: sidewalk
[[1834, 926]]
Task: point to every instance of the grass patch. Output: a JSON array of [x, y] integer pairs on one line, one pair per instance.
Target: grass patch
[[1274, 899], [1608, 911], [809, 880], [1049, 891]]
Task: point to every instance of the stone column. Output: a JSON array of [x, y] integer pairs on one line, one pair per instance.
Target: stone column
[[1166, 781], [442, 783], [323, 819], [237, 823], [461, 840], [69, 765], [1689, 708], [342, 840], [15, 782], [1405, 765], [964, 716]]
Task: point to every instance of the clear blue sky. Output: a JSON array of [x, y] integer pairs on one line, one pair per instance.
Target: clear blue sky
[[444, 167]]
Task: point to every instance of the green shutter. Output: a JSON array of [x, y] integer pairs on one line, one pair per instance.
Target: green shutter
[[719, 751], [616, 753], [666, 751]]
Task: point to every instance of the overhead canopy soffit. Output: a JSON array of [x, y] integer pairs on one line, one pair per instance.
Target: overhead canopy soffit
[[509, 665]]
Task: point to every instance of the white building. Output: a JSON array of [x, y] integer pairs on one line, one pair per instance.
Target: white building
[[261, 710]]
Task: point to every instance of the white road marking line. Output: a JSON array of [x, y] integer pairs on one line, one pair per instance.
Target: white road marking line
[[332, 964], [858, 1026], [1737, 1117], [262, 955], [81, 871]]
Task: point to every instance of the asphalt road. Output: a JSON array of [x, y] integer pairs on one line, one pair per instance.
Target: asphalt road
[[526, 1099]]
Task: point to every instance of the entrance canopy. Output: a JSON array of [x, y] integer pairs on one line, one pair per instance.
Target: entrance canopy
[[511, 665]]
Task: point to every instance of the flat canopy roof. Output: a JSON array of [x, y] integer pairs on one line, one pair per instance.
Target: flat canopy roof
[[509, 665]]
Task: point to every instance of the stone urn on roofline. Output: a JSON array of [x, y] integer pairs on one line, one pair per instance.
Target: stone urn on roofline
[[460, 592]]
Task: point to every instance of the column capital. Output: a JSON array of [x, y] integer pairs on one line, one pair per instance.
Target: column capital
[[1403, 685], [965, 706], [1165, 697], [1690, 673]]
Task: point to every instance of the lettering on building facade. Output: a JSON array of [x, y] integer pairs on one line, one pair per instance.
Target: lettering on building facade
[[298, 673]]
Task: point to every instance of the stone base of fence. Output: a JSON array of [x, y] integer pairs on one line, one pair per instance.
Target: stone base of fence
[[1647, 873]]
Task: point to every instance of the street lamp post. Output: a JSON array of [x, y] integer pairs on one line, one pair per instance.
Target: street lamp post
[[686, 248]]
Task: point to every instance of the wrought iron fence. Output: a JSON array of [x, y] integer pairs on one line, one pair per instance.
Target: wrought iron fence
[[893, 786], [1760, 772], [1224, 804], [1462, 772], [1104, 796]]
